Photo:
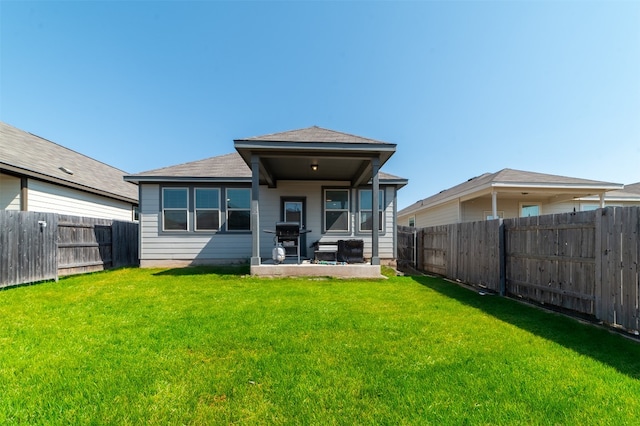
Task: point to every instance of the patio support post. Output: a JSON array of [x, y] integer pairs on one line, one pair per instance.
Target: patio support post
[[494, 204], [375, 167], [255, 210], [602, 200]]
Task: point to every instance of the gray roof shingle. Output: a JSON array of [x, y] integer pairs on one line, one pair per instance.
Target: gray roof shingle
[[25, 153], [223, 166], [312, 134], [228, 166]]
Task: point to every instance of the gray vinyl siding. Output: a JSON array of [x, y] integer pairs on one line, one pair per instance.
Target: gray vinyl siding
[[49, 198], [233, 247], [191, 246], [9, 192]]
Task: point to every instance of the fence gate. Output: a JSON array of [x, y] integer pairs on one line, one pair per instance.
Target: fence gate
[[27, 241], [406, 246]]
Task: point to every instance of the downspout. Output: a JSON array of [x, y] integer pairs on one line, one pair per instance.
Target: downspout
[[395, 222], [255, 210], [24, 194]]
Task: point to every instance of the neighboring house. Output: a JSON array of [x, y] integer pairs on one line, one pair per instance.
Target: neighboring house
[[628, 196], [41, 176], [506, 194], [217, 210]]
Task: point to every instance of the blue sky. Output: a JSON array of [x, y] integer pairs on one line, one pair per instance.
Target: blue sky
[[463, 88]]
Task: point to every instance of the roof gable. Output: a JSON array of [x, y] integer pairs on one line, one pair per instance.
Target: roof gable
[[312, 134], [27, 154], [288, 155]]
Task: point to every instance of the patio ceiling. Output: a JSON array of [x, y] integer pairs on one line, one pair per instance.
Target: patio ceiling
[[335, 159]]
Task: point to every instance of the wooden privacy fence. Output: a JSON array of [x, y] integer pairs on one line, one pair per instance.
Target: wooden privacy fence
[[585, 262], [43, 246]]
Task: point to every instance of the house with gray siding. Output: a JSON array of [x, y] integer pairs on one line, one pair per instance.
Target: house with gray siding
[[38, 175], [221, 209]]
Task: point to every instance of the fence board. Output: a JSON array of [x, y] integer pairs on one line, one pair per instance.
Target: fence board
[[586, 262], [24, 247], [67, 245]]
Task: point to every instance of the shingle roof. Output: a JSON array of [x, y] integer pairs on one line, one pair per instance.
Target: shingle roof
[[523, 177], [31, 155], [633, 188], [223, 166], [507, 177], [228, 166], [313, 134], [630, 192]]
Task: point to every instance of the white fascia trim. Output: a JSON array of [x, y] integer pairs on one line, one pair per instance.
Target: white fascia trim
[[597, 187]]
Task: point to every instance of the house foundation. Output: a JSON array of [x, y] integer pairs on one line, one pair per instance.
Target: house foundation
[[308, 269]]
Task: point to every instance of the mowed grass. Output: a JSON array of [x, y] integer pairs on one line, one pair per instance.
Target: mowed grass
[[213, 346]]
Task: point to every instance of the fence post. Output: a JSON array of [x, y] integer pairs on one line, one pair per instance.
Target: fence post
[[55, 218], [598, 300], [420, 250], [414, 252], [503, 259]]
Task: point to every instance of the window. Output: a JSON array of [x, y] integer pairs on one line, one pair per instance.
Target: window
[[175, 208], [412, 221], [488, 215], [239, 209], [336, 210], [366, 210], [588, 207], [529, 209], [207, 214]]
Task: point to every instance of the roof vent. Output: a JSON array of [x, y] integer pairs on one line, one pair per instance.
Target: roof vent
[[67, 171]]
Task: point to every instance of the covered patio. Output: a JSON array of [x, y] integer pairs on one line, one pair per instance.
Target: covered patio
[[314, 154]]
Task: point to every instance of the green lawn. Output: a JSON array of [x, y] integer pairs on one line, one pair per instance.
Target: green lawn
[[213, 346]]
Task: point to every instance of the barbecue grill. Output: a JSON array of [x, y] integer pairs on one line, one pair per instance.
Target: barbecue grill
[[288, 235]]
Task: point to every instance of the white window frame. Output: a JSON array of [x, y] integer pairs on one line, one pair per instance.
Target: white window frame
[[185, 209], [412, 221], [228, 209], [325, 210], [363, 210], [197, 209], [528, 204], [585, 207]]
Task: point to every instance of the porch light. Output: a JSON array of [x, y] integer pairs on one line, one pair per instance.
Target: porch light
[[314, 167]]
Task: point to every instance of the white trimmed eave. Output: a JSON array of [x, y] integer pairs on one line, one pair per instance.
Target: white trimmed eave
[[69, 184], [553, 186], [608, 198], [182, 179], [575, 191]]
